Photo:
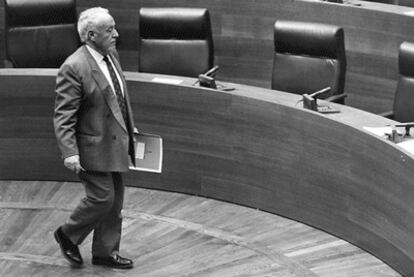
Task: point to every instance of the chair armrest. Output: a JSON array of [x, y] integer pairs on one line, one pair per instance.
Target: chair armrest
[[387, 114], [338, 98]]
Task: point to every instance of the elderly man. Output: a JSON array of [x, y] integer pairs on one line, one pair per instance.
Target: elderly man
[[94, 129]]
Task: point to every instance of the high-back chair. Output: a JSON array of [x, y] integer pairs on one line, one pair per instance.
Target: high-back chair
[[175, 41], [309, 57], [40, 33], [403, 108]]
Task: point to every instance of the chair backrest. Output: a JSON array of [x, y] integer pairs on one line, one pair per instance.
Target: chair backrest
[[40, 33], [404, 94], [308, 57], [175, 41]]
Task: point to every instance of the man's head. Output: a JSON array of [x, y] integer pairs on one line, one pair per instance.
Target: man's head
[[96, 27]]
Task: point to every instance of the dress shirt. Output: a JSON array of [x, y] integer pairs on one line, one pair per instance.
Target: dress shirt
[[104, 68]]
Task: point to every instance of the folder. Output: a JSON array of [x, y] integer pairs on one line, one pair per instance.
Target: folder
[[148, 153]]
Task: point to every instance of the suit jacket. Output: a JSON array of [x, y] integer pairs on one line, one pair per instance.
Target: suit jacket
[[88, 121]]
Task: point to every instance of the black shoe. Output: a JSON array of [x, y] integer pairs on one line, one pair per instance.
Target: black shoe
[[113, 261], [69, 250]]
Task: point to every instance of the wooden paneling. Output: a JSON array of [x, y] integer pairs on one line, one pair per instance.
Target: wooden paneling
[[250, 146], [26, 111]]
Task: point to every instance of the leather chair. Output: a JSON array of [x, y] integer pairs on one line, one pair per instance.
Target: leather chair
[[40, 33], [403, 108], [175, 41], [309, 57]]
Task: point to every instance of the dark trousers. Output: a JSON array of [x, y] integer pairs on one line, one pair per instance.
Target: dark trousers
[[99, 211]]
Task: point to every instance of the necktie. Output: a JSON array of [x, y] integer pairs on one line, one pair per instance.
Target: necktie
[[118, 91]]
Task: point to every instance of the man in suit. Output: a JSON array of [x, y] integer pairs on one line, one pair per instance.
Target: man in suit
[[94, 128]]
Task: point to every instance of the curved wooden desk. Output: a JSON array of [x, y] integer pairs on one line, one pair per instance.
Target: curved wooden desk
[[250, 146]]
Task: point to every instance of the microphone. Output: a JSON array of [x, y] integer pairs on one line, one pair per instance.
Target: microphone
[[407, 127], [211, 72], [309, 102], [319, 92], [394, 136], [207, 79]]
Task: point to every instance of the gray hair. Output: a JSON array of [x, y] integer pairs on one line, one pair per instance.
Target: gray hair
[[88, 21]]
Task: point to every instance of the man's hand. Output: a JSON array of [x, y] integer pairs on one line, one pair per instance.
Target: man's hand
[[73, 163]]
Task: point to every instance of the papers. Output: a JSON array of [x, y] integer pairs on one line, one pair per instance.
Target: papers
[[140, 150], [167, 81], [148, 153], [409, 13], [407, 145]]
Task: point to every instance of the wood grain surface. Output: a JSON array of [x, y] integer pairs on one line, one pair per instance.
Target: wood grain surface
[[174, 235]]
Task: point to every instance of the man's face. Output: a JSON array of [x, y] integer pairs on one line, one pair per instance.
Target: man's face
[[104, 36]]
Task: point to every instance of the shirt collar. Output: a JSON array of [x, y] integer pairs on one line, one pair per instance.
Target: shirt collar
[[95, 54]]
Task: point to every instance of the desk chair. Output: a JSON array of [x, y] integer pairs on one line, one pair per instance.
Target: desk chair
[[403, 108], [175, 41], [309, 57], [40, 33]]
